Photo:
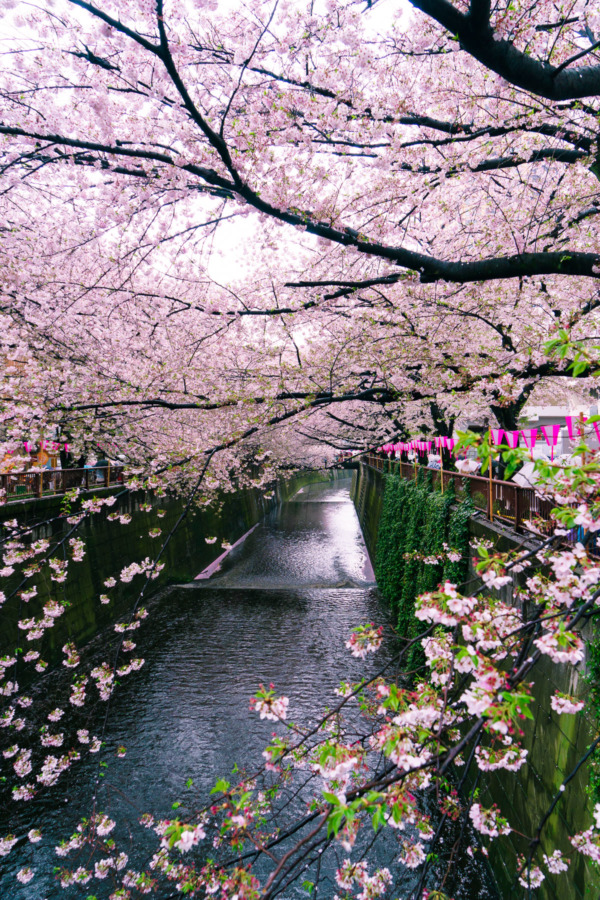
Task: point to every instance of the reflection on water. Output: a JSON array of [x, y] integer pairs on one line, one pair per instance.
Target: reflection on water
[[279, 610], [313, 540]]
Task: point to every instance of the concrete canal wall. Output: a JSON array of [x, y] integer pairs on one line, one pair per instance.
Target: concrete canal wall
[[555, 743], [110, 546]]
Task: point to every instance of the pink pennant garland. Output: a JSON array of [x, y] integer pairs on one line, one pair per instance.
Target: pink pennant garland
[[497, 435], [513, 438]]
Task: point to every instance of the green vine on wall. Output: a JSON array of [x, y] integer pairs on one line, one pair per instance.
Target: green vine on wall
[[416, 521], [593, 679]]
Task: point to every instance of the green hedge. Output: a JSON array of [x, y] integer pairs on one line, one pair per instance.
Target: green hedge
[[417, 518]]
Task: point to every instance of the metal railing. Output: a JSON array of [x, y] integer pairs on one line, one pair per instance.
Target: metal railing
[[520, 507], [26, 485]]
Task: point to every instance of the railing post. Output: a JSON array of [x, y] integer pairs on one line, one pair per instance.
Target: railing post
[[490, 473], [108, 476], [87, 479], [40, 486], [517, 508]]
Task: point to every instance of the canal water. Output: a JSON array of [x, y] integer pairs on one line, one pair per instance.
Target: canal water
[[279, 610]]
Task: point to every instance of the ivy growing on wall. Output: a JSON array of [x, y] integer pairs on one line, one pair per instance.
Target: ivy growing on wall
[[593, 679], [416, 521]]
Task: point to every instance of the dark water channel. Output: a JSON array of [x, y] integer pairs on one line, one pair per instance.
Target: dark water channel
[[279, 610]]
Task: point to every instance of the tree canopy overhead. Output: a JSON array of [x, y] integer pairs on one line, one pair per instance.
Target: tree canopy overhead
[[403, 198]]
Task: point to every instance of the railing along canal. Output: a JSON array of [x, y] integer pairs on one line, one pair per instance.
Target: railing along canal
[[45, 482], [517, 506]]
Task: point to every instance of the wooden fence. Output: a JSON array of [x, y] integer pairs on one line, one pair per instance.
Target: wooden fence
[[25, 485], [520, 507]]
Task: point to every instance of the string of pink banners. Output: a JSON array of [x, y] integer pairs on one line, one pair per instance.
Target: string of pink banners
[[44, 445], [550, 433]]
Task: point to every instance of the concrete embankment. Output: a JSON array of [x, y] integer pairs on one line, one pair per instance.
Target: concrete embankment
[[556, 744]]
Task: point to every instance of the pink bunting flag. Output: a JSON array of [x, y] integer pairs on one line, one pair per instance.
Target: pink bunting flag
[[530, 437], [66, 448], [428, 445], [438, 442], [597, 430], [450, 442], [575, 426], [513, 438], [497, 435], [551, 434]]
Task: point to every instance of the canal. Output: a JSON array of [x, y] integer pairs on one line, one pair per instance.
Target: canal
[[279, 610]]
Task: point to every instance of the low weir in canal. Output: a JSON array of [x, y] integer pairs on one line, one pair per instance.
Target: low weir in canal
[[279, 610]]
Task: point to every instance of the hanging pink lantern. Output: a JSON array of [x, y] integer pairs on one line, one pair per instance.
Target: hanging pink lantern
[[575, 426], [530, 437], [551, 434]]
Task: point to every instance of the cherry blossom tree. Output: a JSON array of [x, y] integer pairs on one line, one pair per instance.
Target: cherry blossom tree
[[225, 227], [479, 189]]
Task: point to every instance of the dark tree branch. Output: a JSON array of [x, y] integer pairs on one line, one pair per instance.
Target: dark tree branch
[[477, 38]]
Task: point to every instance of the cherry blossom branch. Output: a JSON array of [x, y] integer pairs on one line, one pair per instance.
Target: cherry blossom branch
[[501, 56]]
